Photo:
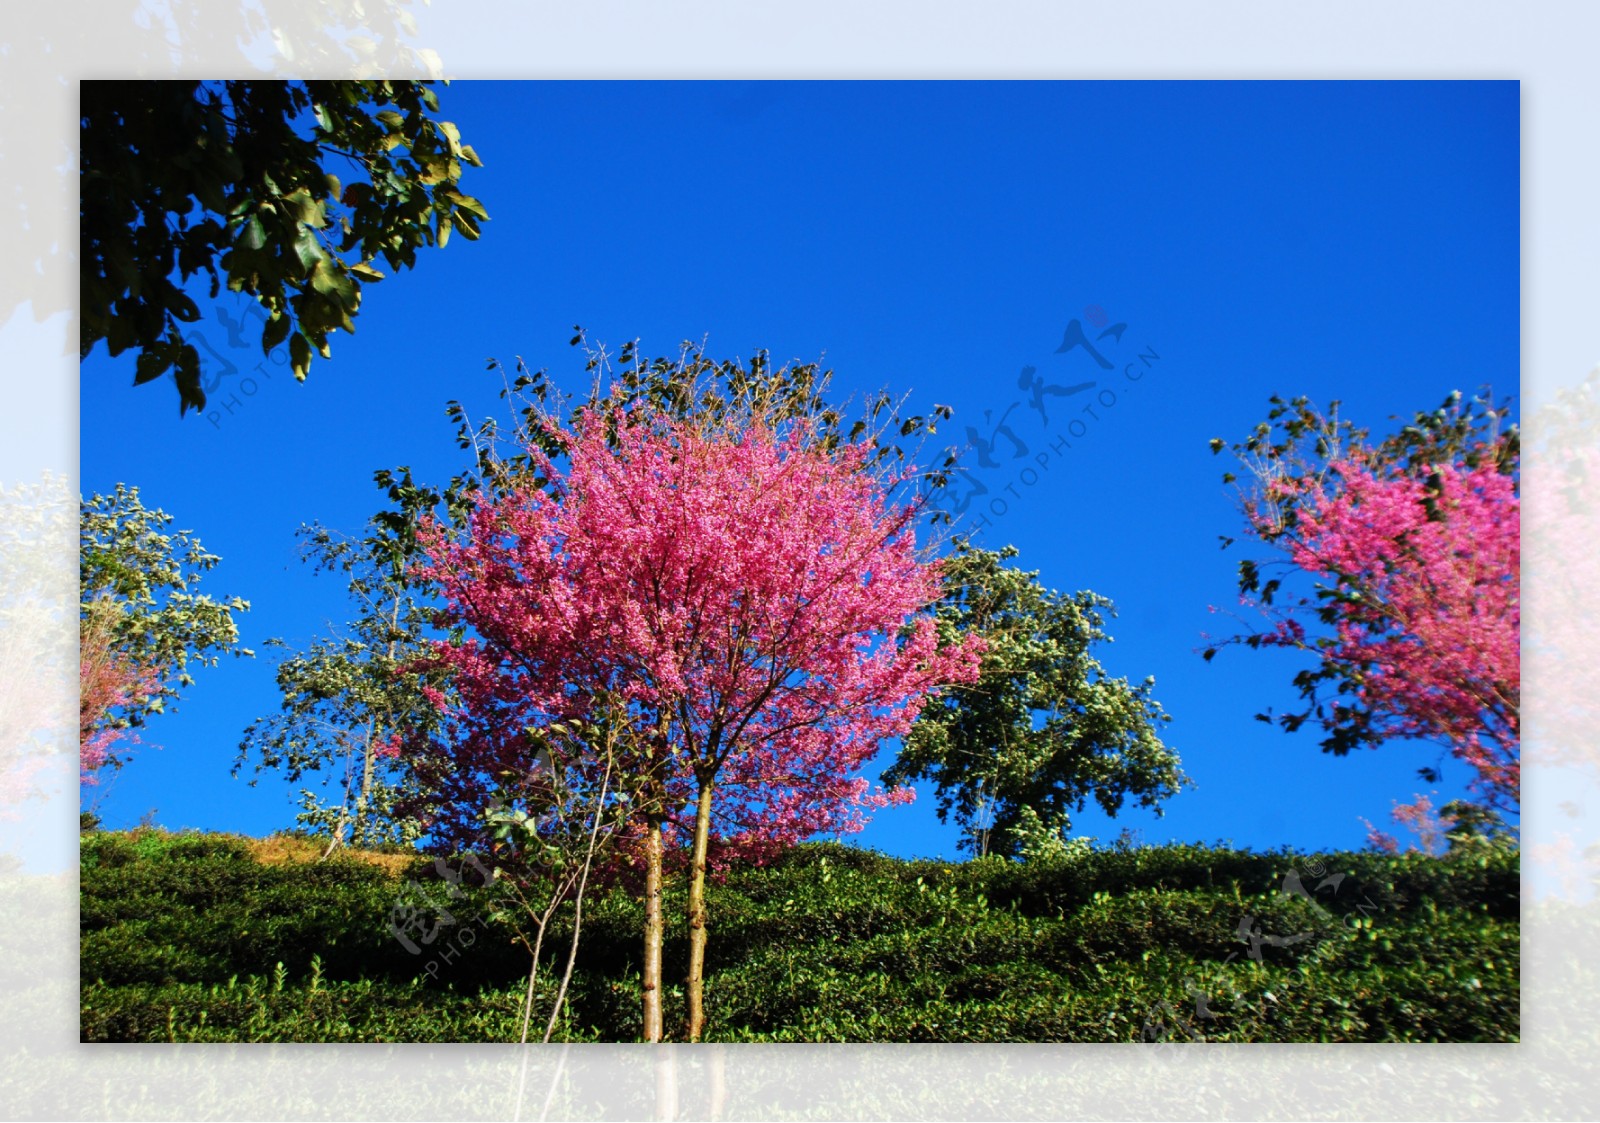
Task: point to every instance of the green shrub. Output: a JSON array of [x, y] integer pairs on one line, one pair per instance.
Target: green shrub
[[184, 937]]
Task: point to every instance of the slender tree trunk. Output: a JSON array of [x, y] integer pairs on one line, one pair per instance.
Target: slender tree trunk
[[360, 820], [985, 820], [533, 975], [697, 912], [652, 930], [337, 838], [374, 728], [577, 905], [338, 830]]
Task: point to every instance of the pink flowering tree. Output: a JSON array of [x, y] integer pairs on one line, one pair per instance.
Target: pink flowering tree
[[1457, 825], [143, 623], [111, 684], [1411, 548], [744, 591]]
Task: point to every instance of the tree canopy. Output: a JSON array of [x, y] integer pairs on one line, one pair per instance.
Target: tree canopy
[[1044, 728], [712, 554], [1412, 547], [239, 180], [346, 697], [142, 620]]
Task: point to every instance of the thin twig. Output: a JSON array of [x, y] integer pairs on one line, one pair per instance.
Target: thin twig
[[583, 881]]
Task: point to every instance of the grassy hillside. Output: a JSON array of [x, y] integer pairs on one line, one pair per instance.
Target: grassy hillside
[[198, 937]]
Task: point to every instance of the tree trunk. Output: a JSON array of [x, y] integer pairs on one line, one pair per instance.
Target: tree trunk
[[652, 930], [577, 906], [374, 728], [697, 912], [338, 830], [357, 835]]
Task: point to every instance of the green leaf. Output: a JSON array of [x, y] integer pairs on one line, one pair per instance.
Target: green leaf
[[304, 208], [435, 169], [328, 279], [189, 391], [153, 362], [276, 330], [253, 236], [309, 250], [299, 355], [182, 307], [467, 203]]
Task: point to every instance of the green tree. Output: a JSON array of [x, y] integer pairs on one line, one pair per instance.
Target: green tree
[[344, 698], [138, 585], [1044, 728], [236, 179]]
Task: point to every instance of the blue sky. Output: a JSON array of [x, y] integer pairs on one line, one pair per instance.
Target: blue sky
[[1340, 240]]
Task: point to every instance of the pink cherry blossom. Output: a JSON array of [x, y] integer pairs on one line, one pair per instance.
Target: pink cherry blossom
[[1430, 560], [758, 599], [108, 681]]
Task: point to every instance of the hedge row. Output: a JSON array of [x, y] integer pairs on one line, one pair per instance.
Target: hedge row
[[190, 937]]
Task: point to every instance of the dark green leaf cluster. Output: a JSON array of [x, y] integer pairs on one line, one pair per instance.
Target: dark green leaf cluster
[[236, 180], [1297, 435], [1045, 728], [198, 908], [304, 1007]]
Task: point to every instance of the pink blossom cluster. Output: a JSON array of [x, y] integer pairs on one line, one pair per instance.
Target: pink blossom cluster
[[1430, 564], [752, 602], [1418, 817], [108, 681]]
